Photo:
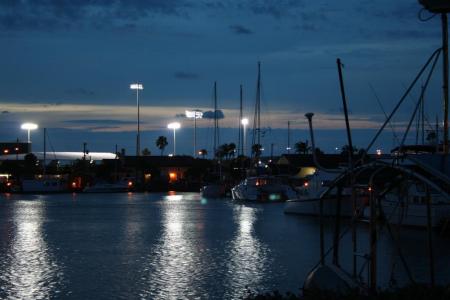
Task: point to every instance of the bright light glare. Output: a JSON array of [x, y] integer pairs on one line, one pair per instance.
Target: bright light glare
[[194, 114], [29, 126], [174, 197], [136, 86], [174, 125], [244, 121]]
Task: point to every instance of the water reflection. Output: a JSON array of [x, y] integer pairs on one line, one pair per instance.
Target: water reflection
[[176, 265], [29, 270], [248, 263]]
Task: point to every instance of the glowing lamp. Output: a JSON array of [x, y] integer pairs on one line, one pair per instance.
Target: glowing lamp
[[174, 126], [136, 86], [29, 127]]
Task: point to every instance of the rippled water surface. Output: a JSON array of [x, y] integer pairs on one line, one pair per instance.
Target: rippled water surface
[[172, 246]]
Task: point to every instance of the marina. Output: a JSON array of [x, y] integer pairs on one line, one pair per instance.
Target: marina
[[305, 188]]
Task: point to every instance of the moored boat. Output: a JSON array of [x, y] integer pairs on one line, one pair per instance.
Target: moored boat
[[263, 189], [124, 185]]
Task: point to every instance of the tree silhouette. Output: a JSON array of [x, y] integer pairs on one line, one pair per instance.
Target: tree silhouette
[[231, 150], [302, 147], [257, 150], [161, 143], [203, 153], [146, 152]]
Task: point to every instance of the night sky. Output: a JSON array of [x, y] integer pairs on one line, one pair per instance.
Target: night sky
[[67, 66]]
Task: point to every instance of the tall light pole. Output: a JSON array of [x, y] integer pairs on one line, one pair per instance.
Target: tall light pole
[[174, 126], [244, 123], [137, 87], [288, 148], [29, 127], [194, 114]]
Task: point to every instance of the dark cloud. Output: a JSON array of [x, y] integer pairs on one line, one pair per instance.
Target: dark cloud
[[186, 75], [53, 15], [102, 128], [210, 114], [5, 112], [275, 8], [80, 92], [239, 29], [306, 27], [102, 122]]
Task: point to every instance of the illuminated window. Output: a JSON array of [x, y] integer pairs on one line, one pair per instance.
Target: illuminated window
[[172, 176]]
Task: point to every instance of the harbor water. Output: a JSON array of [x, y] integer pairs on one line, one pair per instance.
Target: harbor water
[[178, 245]]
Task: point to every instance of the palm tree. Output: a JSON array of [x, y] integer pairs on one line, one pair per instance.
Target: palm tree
[[302, 147], [345, 149], [222, 151], [161, 143], [203, 153], [231, 149], [146, 152], [257, 150]]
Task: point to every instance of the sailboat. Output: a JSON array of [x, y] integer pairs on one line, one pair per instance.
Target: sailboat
[[45, 183], [214, 189], [261, 188]]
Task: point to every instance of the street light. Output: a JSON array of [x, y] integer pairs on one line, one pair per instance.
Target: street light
[[29, 127], [244, 123], [174, 126], [194, 114], [137, 87]]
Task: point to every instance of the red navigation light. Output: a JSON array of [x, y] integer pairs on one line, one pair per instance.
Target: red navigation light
[[130, 183], [8, 183], [6, 151], [306, 184], [74, 184]]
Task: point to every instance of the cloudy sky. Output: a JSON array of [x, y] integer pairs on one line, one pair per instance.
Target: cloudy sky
[[67, 66]]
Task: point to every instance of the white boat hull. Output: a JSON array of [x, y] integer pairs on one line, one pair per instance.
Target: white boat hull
[[245, 191], [413, 214], [312, 206]]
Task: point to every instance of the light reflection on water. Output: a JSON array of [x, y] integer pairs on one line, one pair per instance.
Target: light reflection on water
[[157, 246], [175, 263], [29, 270], [248, 257]]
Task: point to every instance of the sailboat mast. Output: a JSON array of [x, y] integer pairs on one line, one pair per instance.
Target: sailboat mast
[[240, 135], [257, 118], [45, 149], [216, 120], [445, 78]]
